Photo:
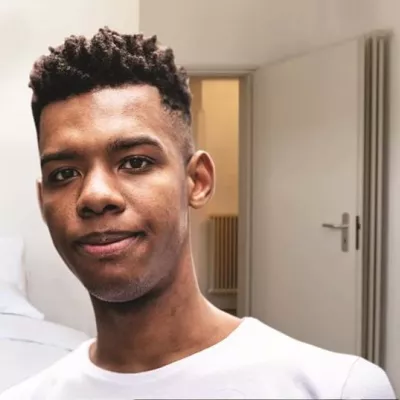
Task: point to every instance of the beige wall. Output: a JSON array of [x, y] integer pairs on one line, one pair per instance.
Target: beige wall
[[216, 113], [220, 102], [27, 28]]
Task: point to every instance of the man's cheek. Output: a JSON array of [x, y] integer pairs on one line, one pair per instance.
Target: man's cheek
[[57, 215], [172, 215]]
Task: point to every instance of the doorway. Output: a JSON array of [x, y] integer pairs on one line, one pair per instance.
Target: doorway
[[215, 111]]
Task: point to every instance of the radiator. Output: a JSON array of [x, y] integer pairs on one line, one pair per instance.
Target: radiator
[[223, 254]]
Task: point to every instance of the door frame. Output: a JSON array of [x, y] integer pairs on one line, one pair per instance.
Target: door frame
[[244, 74]]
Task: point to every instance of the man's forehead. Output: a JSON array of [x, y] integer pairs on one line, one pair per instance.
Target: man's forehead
[[111, 113], [120, 100], [134, 107], [126, 98]]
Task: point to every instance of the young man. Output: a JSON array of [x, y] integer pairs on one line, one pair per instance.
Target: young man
[[119, 175]]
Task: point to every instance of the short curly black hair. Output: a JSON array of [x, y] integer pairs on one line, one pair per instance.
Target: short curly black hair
[[109, 59]]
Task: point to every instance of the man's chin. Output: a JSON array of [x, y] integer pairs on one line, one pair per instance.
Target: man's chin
[[120, 293]]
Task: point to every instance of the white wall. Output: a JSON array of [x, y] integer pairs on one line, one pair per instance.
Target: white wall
[[27, 28], [251, 32]]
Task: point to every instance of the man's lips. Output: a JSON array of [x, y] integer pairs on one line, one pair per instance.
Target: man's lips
[[110, 243]]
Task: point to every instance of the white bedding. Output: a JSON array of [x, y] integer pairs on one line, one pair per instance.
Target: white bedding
[[28, 346]]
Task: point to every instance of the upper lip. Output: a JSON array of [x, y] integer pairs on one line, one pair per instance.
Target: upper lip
[[99, 238]]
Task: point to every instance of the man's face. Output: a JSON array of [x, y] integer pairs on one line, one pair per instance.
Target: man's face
[[115, 190]]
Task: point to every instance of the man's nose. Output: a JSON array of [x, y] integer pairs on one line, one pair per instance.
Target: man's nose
[[100, 195]]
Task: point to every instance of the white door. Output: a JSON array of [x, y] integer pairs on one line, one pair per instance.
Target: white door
[[307, 171]]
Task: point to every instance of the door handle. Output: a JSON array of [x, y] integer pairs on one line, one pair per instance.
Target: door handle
[[344, 227], [336, 226]]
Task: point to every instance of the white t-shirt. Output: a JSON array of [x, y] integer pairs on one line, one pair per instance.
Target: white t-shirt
[[255, 361]]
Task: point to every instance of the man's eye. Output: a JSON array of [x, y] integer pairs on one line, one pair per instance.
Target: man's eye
[[136, 163], [63, 175]]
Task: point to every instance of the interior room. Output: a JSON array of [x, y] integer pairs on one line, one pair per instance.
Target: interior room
[[296, 102]]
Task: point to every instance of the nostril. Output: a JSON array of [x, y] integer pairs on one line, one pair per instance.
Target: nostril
[[110, 207], [87, 212]]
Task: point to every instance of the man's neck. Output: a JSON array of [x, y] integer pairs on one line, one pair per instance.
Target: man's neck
[[178, 323]]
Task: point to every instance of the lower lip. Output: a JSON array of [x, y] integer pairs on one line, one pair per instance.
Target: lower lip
[[110, 249]]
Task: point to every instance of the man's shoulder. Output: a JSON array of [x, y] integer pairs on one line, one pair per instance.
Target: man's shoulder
[[33, 387], [267, 343], [329, 373], [367, 380]]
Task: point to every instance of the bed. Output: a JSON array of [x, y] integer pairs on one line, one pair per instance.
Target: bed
[[28, 346], [28, 343]]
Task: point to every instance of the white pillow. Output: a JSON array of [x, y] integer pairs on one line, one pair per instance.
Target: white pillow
[[12, 301], [11, 261]]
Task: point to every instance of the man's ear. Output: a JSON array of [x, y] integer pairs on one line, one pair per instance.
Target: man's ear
[[201, 179], [39, 193]]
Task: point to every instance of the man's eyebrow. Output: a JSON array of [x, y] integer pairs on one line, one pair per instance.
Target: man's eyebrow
[[131, 142], [63, 155], [114, 146]]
